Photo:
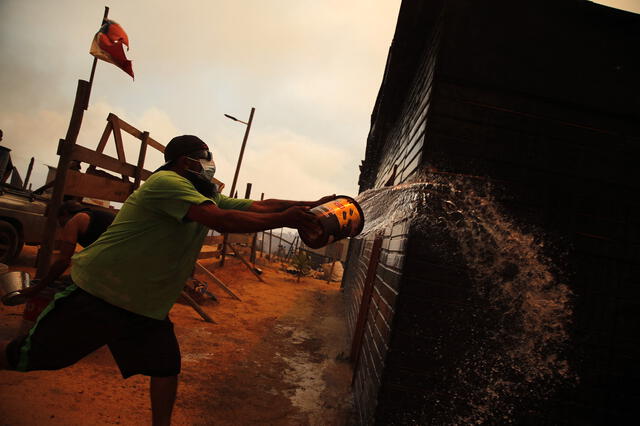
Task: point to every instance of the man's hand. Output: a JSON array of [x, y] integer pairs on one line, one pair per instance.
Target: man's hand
[[299, 217]]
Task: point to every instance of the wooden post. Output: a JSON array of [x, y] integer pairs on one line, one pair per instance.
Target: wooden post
[[28, 176], [79, 106], [365, 303], [262, 239], [254, 241], [247, 192], [143, 152], [270, 238]]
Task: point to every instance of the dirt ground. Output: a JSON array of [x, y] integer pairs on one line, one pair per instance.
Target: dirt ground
[[275, 358]]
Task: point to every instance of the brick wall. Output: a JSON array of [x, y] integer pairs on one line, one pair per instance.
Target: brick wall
[[398, 158], [386, 283]]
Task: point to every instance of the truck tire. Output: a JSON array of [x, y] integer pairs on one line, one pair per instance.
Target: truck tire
[[9, 242]]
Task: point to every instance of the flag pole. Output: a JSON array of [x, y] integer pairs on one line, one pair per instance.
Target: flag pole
[[95, 59], [65, 151]]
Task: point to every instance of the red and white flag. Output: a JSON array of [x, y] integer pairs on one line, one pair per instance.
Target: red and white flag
[[107, 45]]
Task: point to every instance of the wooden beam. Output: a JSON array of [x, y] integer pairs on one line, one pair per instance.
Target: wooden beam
[[29, 170], [206, 254], [117, 136], [135, 132], [87, 185], [239, 256], [101, 144], [196, 307], [217, 281], [365, 303], [125, 126], [141, 157], [46, 248], [86, 155], [105, 137]]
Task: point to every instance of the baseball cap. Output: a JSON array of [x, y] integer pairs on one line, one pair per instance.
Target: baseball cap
[[179, 146]]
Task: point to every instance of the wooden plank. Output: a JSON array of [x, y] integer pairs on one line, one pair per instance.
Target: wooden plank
[[46, 248], [155, 144], [363, 312], [217, 281], [196, 307], [208, 254], [136, 133], [103, 142], [86, 155], [141, 157], [126, 126], [105, 137], [239, 256], [87, 185], [117, 135]]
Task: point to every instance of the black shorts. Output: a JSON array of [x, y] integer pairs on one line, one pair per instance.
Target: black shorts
[[77, 323]]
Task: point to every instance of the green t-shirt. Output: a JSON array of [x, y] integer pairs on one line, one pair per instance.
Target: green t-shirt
[[144, 258]]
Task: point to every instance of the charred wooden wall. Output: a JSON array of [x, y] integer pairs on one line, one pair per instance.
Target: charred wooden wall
[[544, 100], [398, 156], [552, 117], [369, 373]]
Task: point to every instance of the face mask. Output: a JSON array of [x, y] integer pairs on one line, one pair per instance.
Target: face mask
[[208, 169], [202, 179], [205, 168]]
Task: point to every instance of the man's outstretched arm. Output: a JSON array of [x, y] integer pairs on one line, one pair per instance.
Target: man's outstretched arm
[[238, 221], [272, 205]]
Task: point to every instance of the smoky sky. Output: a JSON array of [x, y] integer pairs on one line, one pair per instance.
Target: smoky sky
[[312, 70]]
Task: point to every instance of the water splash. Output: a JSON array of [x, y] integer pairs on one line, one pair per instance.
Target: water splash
[[514, 358]]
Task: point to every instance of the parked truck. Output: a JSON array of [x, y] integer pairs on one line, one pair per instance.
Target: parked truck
[[22, 220]]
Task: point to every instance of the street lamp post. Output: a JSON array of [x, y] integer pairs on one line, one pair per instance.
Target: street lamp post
[[235, 176], [244, 143]]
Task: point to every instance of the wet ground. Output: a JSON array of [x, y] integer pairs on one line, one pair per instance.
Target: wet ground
[[275, 358]]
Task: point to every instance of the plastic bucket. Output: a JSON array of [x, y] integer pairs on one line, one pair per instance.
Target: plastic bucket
[[10, 285], [339, 218]]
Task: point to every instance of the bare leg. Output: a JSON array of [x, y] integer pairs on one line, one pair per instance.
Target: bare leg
[[163, 395]]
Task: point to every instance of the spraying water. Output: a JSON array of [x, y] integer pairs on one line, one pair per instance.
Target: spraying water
[[513, 359]]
